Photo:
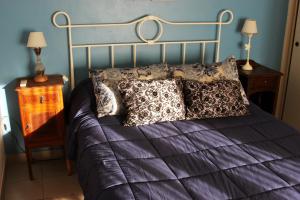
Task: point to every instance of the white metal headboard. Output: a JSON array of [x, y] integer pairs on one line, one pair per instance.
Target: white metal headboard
[[143, 41]]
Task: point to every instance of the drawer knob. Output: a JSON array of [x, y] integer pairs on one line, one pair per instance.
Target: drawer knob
[[265, 81], [42, 99], [27, 127]]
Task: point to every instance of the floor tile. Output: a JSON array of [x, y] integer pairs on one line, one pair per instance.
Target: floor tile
[[51, 180], [68, 197], [61, 187], [19, 172], [53, 168], [25, 190], [16, 158]]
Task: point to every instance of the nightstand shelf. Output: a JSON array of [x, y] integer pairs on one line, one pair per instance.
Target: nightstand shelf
[[42, 115], [261, 85]]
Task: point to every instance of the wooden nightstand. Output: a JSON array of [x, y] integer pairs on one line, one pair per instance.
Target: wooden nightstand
[[261, 85], [42, 114]]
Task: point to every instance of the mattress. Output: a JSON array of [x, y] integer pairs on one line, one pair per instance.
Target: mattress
[[249, 157]]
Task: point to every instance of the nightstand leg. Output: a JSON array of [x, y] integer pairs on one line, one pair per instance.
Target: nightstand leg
[[69, 167], [68, 163], [29, 159]]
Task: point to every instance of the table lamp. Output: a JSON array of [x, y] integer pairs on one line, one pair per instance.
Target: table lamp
[[249, 28], [36, 40]]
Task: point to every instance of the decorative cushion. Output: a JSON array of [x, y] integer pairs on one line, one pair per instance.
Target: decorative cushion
[[105, 81], [152, 101], [215, 99], [226, 70]]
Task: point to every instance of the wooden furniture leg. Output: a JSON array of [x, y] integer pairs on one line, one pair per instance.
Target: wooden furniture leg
[[68, 163], [69, 167], [29, 159]]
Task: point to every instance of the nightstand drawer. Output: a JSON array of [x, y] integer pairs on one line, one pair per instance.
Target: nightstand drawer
[[35, 99], [263, 83], [34, 121]]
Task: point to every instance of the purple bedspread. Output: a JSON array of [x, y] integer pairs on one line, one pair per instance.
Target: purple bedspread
[[251, 157]]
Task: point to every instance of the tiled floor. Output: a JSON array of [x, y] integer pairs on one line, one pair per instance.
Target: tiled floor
[[51, 181]]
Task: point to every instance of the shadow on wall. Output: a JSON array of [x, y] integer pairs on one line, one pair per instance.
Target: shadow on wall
[[13, 140], [243, 40], [23, 41]]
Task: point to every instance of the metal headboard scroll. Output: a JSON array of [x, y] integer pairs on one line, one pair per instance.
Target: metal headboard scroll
[[143, 41]]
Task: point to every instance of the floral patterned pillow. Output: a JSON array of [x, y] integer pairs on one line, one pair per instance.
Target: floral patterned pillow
[[226, 70], [215, 99], [152, 101], [105, 81]]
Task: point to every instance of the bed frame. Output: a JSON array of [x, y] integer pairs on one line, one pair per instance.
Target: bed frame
[[142, 40]]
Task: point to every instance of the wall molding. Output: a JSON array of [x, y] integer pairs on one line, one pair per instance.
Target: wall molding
[[287, 54]]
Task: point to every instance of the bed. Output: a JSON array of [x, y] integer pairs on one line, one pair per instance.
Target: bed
[[249, 157]]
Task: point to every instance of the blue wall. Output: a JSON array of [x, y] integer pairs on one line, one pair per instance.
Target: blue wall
[[18, 18]]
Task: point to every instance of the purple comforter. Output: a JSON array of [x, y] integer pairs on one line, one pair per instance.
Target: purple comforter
[[251, 157]]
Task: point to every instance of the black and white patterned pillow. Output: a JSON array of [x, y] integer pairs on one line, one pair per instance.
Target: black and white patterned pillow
[[152, 101], [214, 99], [105, 82], [226, 70]]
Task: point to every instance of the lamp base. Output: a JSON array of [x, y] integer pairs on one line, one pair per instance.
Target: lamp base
[[40, 78], [247, 67]]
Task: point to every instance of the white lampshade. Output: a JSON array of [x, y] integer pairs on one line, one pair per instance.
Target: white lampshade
[[36, 40], [249, 27]]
